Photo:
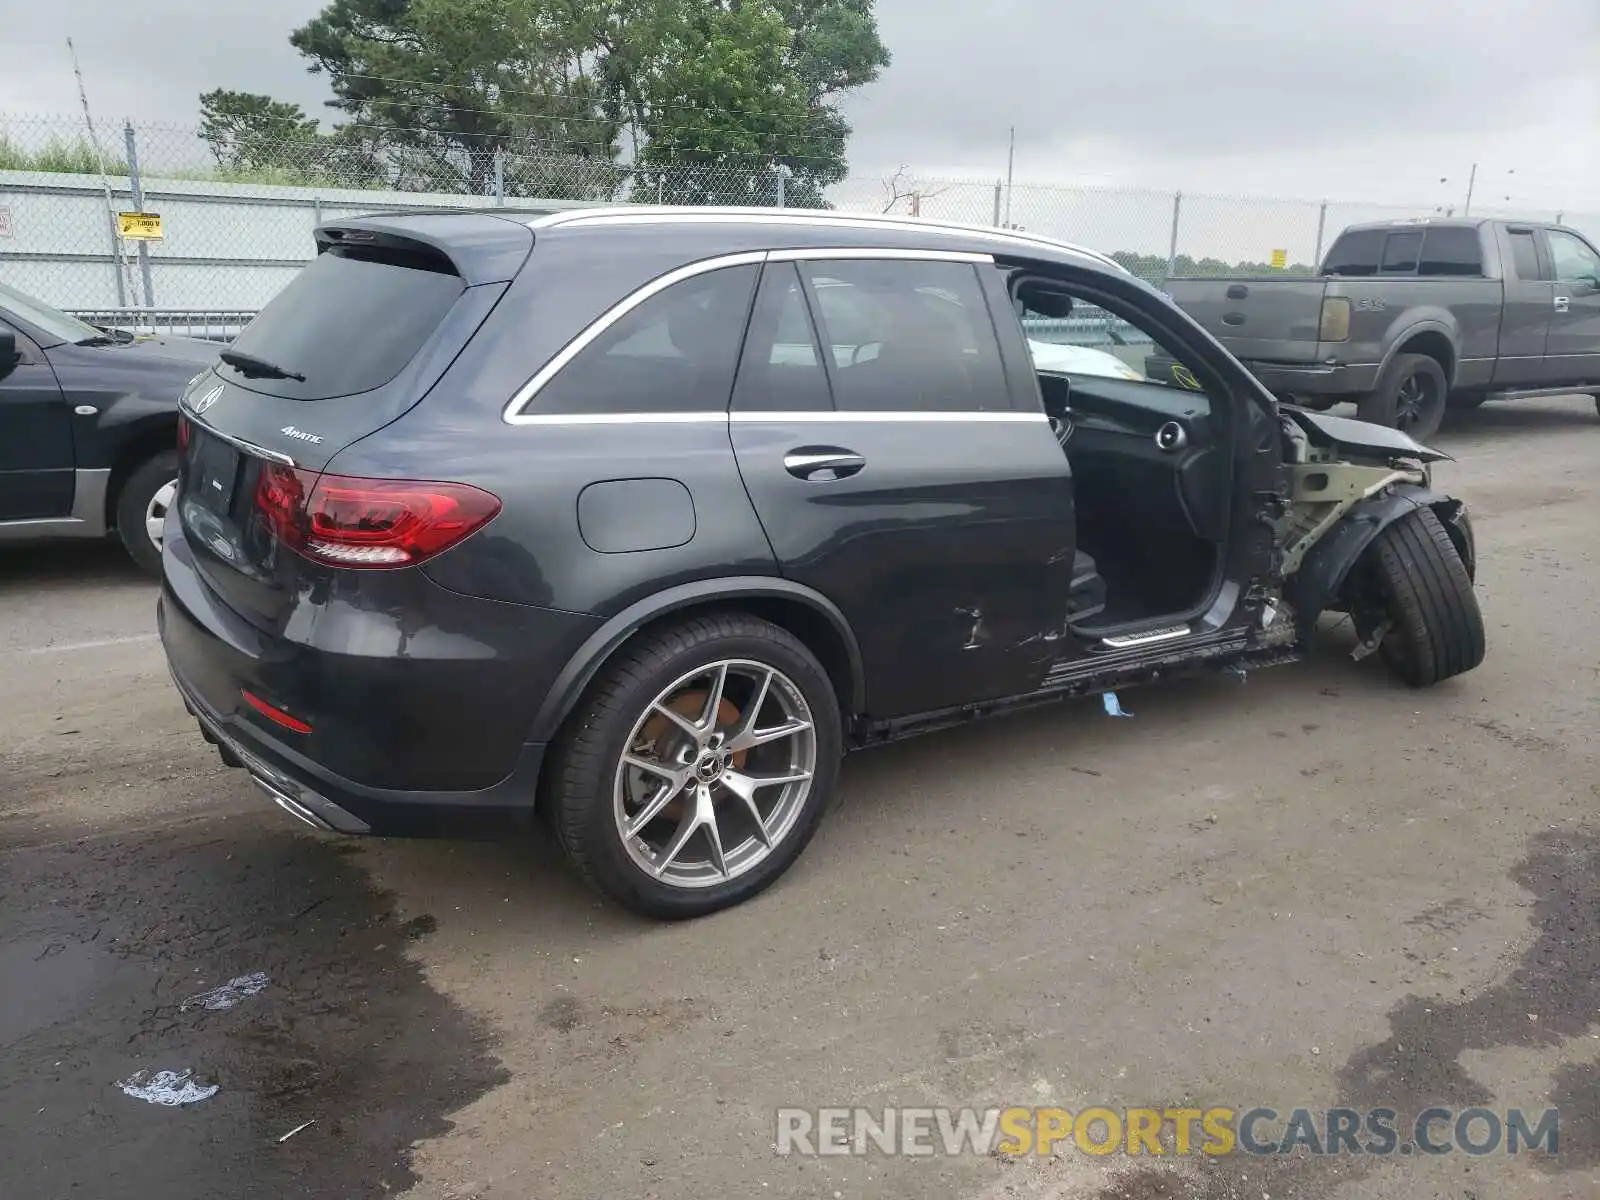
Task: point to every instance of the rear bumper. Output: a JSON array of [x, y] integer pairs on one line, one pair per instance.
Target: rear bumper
[[426, 742], [334, 804]]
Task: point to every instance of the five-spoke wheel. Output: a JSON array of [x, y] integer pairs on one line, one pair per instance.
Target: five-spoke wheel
[[698, 767]]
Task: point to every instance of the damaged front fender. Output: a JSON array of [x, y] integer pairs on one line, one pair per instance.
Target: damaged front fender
[[1322, 574]]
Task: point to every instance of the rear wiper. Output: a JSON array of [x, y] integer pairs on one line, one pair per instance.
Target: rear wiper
[[252, 367]]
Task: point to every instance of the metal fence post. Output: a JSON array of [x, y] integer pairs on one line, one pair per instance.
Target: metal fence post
[[782, 184], [500, 176], [999, 188], [1322, 225], [316, 212], [1559, 215], [1172, 247], [138, 206]]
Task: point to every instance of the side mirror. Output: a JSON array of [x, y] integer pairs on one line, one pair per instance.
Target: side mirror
[[9, 357]]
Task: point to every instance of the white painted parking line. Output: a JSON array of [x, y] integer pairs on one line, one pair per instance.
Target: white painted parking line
[[70, 647]]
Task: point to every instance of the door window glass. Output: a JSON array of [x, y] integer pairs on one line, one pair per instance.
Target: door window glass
[[1573, 259], [674, 353], [782, 367], [907, 336], [1451, 250], [1524, 255]]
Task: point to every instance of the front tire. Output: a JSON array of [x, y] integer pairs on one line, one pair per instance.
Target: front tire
[[1418, 584], [1410, 397], [698, 767], [142, 509]]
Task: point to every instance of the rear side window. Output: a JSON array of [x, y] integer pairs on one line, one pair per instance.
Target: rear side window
[[674, 353], [1451, 250], [1524, 254], [349, 322], [1355, 253], [782, 368], [1400, 253], [907, 336]]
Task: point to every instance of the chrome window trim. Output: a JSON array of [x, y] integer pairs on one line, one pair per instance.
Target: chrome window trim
[[513, 413], [804, 417], [806, 218]]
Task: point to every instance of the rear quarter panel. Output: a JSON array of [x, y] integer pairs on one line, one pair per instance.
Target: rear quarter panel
[[1386, 313]]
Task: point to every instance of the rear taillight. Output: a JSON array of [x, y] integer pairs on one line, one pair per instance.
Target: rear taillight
[[183, 433], [1335, 319], [343, 521]]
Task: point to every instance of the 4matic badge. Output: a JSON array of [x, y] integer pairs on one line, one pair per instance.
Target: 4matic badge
[[300, 434]]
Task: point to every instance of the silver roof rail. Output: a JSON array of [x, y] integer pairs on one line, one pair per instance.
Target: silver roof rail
[[819, 218]]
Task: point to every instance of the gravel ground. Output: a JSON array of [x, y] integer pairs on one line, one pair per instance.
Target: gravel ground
[[1313, 888]]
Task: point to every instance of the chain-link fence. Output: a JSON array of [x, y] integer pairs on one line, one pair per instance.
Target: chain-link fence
[[236, 208]]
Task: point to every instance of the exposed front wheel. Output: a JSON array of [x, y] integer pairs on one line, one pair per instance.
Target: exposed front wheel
[[1416, 602], [142, 506], [1410, 397], [698, 768]]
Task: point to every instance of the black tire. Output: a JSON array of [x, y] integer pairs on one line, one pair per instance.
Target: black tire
[[1409, 397], [587, 759], [1420, 582], [134, 504]]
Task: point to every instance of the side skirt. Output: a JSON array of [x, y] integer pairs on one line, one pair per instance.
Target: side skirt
[[1076, 677]]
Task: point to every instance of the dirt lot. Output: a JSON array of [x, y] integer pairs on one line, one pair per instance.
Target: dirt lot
[[1312, 888]]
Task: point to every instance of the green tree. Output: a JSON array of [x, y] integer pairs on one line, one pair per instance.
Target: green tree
[[730, 91], [248, 132], [456, 85]]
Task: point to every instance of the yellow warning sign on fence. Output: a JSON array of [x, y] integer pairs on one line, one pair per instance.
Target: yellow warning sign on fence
[[139, 226], [1280, 259]]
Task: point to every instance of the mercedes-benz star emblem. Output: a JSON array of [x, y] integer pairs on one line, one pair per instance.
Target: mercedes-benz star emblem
[[207, 400]]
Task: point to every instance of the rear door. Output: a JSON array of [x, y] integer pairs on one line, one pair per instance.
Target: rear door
[[36, 456], [899, 468], [1572, 352], [1528, 305]]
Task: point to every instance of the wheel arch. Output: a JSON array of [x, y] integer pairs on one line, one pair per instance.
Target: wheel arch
[[150, 439], [1321, 577], [807, 614], [1434, 339]]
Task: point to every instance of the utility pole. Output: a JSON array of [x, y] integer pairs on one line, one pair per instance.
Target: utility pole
[[1011, 167], [1471, 179]]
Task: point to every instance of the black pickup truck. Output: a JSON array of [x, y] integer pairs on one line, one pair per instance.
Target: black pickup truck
[[88, 427], [1405, 319]]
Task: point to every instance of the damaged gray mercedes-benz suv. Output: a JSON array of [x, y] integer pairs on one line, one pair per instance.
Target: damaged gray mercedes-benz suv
[[636, 520]]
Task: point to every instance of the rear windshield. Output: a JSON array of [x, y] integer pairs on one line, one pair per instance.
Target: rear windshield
[[349, 322]]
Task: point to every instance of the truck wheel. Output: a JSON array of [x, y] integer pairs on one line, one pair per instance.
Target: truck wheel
[[1410, 397], [1417, 589], [142, 509], [698, 767]]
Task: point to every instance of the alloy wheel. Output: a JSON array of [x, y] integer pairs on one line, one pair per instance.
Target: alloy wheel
[[716, 772], [1414, 402], [155, 513]]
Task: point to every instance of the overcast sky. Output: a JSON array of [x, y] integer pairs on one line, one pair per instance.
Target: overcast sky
[[1364, 99]]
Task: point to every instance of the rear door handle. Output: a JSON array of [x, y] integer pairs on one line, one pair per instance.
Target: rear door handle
[[823, 463]]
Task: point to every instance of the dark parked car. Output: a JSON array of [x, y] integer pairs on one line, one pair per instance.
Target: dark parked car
[[88, 427], [1408, 317], [635, 520]]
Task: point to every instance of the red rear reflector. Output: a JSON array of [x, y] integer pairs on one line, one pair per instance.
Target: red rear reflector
[[343, 521], [274, 714]]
